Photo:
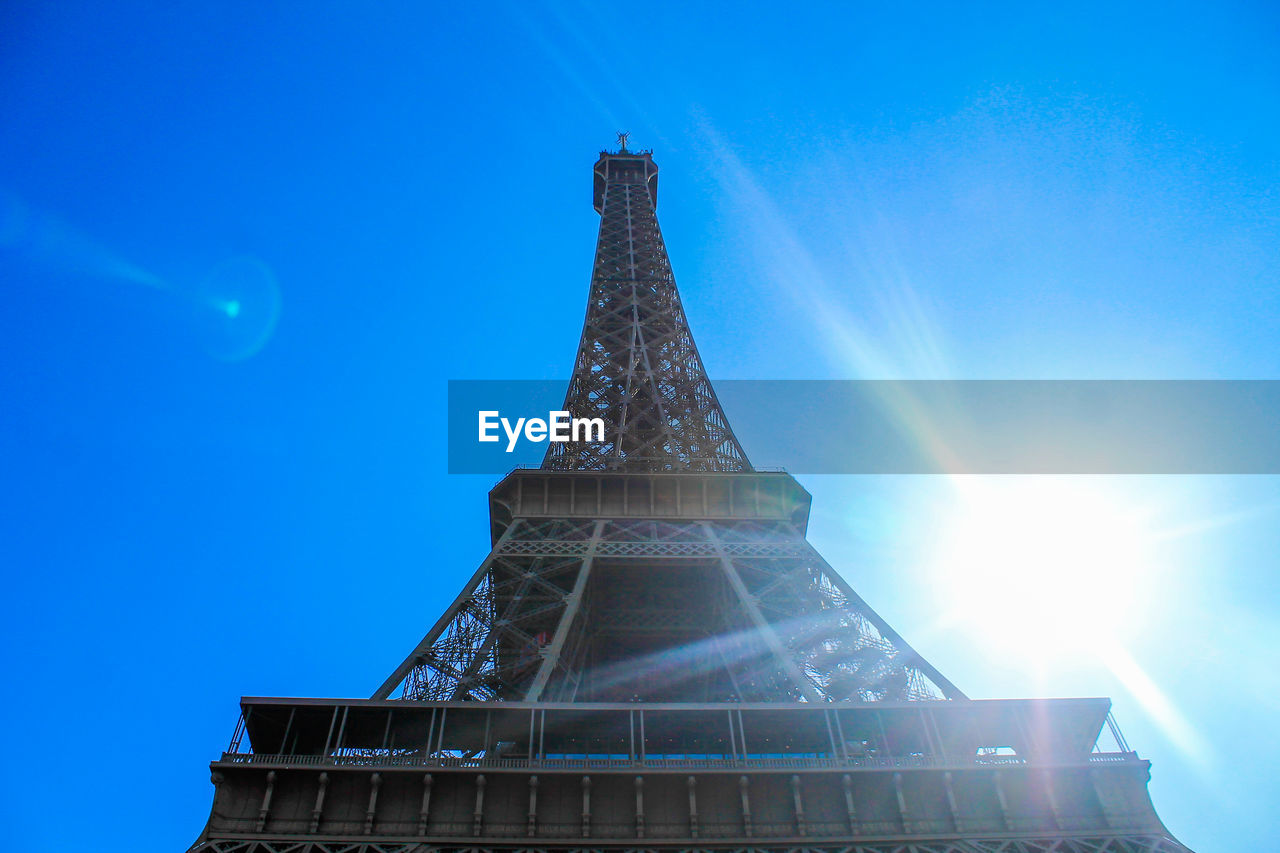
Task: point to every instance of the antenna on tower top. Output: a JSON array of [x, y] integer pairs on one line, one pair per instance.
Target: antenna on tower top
[[623, 136]]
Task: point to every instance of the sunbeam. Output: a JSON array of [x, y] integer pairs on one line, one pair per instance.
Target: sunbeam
[[558, 58], [1154, 701], [917, 348]]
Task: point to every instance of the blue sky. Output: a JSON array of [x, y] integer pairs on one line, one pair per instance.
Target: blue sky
[[199, 508]]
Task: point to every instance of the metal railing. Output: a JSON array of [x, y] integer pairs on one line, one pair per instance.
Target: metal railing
[[655, 763], [755, 469]]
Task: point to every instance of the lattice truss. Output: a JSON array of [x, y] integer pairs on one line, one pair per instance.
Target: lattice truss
[[567, 610], [637, 366], [1101, 844], [487, 646]]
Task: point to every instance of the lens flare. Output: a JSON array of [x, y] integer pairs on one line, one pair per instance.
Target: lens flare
[[238, 306], [234, 309]]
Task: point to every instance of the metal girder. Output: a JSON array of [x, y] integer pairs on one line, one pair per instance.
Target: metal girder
[[770, 637], [844, 645], [551, 658], [447, 619]]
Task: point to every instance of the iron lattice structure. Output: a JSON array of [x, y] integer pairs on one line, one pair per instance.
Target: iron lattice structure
[[637, 366], [777, 623], [574, 609], [652, 657]]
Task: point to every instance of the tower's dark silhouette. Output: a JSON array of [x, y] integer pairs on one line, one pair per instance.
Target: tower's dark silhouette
[[653, 656]]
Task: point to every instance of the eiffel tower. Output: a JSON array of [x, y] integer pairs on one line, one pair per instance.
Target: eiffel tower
[[653, 657]]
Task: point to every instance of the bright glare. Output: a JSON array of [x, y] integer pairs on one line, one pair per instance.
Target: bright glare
[[1043, 567]]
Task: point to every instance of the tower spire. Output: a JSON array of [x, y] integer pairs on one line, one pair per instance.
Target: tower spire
[[637, 367]]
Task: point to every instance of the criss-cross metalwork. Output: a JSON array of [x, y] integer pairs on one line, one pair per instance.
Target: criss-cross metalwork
[[779, 624], [743, 611], [637, 367], [652, 658]]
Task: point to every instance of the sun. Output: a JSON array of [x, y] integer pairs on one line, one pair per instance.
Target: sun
[[1044, 568]]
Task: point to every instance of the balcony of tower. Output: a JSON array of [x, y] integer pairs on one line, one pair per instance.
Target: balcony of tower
[[634, 167], [620, 772], [684, 496]]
